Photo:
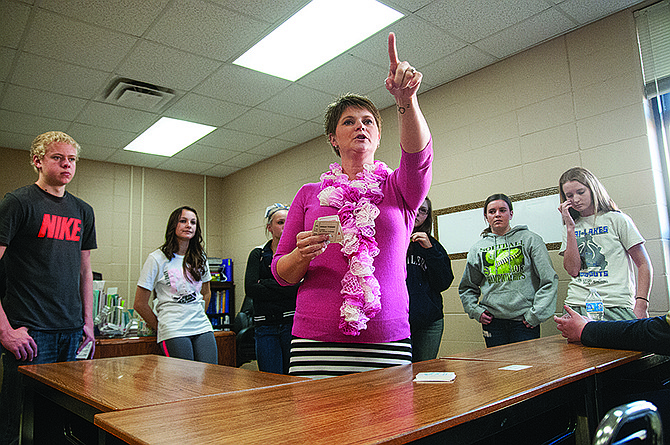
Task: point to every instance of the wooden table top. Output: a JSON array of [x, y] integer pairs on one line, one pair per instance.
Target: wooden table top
[[554, 350], [369, 407], [109, 384]]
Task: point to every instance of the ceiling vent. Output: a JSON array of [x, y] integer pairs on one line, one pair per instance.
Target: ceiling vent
[[142, 96]]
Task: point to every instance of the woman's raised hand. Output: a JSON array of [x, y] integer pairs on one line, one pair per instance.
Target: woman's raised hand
[[403, 80]]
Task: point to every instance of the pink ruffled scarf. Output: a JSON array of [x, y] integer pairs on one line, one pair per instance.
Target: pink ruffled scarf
[[356, 201]]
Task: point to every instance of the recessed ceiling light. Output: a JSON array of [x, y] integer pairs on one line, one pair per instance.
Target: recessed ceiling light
[[316, 34], [168, 136]]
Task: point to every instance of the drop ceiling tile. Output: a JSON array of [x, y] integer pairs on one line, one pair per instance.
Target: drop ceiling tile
[[549, 23], [240, 85], [76, 42], [126, 16], [104, 137], [184, 165], [119, 118], [271, 147], [409, 5], [473, 20], [303, 133], [244, 160], [166, 67], [271, 12], [345, 74], [417, 41], [220, 171], [62, 77], [41, 103], [13, 20], [299, 101], [205, 110], [134, 158], [76, 48], [96, 152], [586, 11], [232, 140], [204, 153], [6, 58], [17, 141], [264, 123], [455, 65], [206, 29], [29, 124]]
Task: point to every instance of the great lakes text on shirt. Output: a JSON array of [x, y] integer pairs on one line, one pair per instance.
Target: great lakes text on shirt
[[591, 255]]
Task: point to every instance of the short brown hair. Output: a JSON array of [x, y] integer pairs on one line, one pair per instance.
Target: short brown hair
[[41, 143], [335, 110]]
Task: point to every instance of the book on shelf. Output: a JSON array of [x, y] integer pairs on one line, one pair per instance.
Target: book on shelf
[[220, 302], [99, 296], [219, 308], [221, 269]]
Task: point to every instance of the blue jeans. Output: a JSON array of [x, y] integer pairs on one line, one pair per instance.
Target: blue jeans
[[426, 340], [501, 332], [273, 347], [51, 347]]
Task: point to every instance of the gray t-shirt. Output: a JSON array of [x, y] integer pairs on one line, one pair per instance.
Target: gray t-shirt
[[44, 235]]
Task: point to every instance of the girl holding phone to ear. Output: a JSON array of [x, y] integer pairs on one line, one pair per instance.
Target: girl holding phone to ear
[[601, 246]]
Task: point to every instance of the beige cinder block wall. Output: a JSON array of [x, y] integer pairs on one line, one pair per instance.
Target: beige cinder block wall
[[131, 205], [512, 127]]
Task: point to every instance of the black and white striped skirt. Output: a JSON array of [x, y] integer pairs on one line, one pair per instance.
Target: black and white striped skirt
[[317, 359]]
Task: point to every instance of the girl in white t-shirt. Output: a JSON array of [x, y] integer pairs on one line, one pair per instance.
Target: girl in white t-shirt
[[600, 248], [179, 276]]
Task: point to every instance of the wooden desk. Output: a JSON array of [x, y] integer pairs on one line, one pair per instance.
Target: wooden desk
[[386, 406], [383, 406], [88, 387], [554, 350], [122, 347], [610, 366]]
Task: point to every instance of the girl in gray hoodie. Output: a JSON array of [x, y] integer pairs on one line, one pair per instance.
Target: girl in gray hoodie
[[509, 284]]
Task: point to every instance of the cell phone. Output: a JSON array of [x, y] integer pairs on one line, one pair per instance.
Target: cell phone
[[574, 213], [85, 352]]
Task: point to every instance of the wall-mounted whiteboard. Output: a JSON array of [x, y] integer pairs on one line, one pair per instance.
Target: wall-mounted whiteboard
[[458, 228]]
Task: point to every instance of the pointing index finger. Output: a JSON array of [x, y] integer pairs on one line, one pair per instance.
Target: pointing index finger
[[393, 52]]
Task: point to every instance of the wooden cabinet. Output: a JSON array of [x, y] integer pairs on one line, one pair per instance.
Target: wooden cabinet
[[123, 347]]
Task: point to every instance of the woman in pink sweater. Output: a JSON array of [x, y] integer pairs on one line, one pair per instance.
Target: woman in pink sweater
[[352, 306]]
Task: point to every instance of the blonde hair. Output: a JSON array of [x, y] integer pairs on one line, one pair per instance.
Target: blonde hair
[[41, 144], [599, 196]]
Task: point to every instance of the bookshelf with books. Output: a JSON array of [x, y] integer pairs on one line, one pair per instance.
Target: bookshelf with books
[[221, 310]]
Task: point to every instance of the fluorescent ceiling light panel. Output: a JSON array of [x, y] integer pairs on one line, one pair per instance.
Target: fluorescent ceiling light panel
[[316, 34], [168, 136]]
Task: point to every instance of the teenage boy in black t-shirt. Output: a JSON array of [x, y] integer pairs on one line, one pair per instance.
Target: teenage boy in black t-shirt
[[46, 237]]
